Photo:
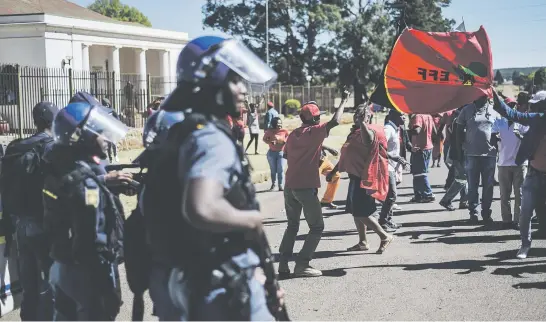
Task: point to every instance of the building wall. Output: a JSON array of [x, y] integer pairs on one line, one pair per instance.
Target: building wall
[[33, 54], [59, 49]]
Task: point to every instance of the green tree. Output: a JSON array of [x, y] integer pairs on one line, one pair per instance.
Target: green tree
[[295, 27], [357, 53], [540, 77], [498, 78], [518, 78], [119, 11], [424, 14]]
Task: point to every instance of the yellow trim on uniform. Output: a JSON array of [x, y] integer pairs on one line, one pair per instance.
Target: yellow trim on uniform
[[49, 194]]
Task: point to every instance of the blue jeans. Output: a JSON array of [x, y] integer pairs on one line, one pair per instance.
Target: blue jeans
[[534, 194], [420, 161], [477, 166], [459, 183], [275, 160]]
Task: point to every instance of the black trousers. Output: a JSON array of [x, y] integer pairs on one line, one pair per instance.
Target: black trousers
[[34, 265], [253, 138]]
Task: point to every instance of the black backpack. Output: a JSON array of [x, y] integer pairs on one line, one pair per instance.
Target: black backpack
[[22, 177]]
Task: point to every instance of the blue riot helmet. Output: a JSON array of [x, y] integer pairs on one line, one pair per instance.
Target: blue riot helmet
[[87, 126], [157, 126], [211, 65]]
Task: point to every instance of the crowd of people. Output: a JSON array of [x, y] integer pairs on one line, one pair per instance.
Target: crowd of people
[[473, 141], [195, 241]]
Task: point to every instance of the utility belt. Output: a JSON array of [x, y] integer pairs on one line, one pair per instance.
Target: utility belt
[[191, 284]]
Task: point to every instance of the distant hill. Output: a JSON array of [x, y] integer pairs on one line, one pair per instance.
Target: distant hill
[[507, 72]]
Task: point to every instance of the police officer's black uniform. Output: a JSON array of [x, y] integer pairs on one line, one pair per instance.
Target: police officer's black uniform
[[83, 220]]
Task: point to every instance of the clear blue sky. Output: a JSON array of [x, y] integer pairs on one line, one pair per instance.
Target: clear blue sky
[[515, 28]]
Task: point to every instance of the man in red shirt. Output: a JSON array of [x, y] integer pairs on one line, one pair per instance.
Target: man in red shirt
[[421, 130], [303, 152]]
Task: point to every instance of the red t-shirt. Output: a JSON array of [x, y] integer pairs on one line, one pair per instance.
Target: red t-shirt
[[424, 139], [303, 149], [276, 135], [354, 155]]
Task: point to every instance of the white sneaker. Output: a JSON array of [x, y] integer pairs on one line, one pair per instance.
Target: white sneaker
[[116, 158], [306, 271], [396, 207], [523, 251]]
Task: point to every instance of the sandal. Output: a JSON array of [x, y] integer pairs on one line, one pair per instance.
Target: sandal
[[384, 244], [358, 247]]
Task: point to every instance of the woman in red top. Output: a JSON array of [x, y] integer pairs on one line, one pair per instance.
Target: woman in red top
[[276, 138], [364, 158]]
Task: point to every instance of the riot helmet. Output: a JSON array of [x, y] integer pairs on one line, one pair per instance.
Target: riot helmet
[[88, 127], [213, 69], [157, 126]]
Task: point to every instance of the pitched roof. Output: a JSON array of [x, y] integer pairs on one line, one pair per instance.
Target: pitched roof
[[62, 8]]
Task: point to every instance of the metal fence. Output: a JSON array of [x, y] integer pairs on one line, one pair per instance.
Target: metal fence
[[22, 87]]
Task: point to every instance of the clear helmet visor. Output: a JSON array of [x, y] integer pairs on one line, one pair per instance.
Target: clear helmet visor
[[105, 125], [245, 63]]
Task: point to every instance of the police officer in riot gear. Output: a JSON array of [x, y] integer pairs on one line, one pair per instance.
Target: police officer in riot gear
[[136, 246], [21, 187], [81, 215], [201, 256]]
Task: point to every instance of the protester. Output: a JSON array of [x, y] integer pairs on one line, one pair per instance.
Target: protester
[[474, 130], [364, 158], [326, 167], [421, 130], [437, 141], [276, 139], [238, 129], [112, 148], [302, 151], [270, 115], [510, 174], [253, 124], [458, 183], [532, 148], [393, 121], [446, 123]]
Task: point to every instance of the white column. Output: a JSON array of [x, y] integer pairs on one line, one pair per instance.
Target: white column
[[142, 67], [114, 59], [85, 57], [173, 59], [164, 64], [142, 72], [86, 84]]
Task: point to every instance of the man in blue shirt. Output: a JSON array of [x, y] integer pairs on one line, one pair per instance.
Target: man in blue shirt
[[270, 115]]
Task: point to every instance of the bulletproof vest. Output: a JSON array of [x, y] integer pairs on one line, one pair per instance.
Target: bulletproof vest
[[74, 248], [172, 240]]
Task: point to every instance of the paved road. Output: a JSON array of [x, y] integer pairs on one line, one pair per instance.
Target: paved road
[[438, 268]]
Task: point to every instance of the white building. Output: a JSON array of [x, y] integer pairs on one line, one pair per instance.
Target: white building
[[60, 34]]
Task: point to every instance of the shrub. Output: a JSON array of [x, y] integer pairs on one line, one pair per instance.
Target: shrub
[[292, 106]]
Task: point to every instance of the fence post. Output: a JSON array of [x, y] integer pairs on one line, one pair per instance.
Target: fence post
[[71, 82], [20, 100], [291, 91], [280, 98], [42, 95], [148, 93]]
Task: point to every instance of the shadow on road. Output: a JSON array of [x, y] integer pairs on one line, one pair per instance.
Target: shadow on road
[[537, 285], [415, 211], [461, 240]]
